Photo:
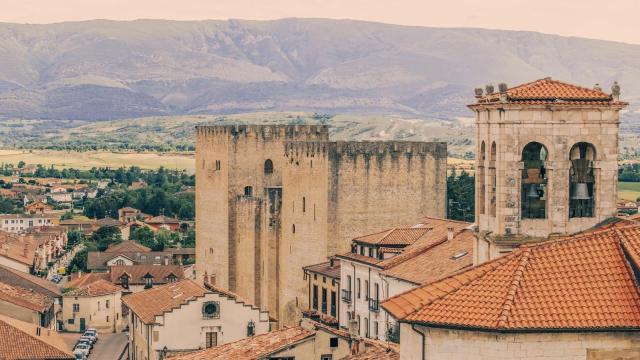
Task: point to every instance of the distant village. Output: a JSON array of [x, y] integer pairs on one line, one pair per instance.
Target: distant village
[[299, 247]]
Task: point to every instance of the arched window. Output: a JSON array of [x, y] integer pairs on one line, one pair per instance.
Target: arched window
[[268, 167], [481, 179], [248, 191], [492, 179], [533, 192], [582, 180]]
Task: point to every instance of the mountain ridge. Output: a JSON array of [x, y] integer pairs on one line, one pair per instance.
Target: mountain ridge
[[104, 69]]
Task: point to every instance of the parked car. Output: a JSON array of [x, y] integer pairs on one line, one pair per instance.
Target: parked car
[[79, 354], [56, 278], [86, 339], [93, 331], [90, 335], [82, 347]]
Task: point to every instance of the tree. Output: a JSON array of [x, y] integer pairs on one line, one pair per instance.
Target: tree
[[144, 236], [461, 196], [21, 164], [68, 215], [107, 235], [74, 237], [190, 239]]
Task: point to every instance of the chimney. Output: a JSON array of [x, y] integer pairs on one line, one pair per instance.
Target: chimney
[[502, 87], [478, 92], [597, 87], [615, 91], [489, 89], [450, 233]]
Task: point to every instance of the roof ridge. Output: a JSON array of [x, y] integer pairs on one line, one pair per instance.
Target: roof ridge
[[509, 301]]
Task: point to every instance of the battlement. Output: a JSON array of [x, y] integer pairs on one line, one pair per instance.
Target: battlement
[[354, 148], [267, 132], [306, 148]]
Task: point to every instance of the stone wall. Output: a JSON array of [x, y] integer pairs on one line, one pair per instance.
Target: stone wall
[[460, 344]]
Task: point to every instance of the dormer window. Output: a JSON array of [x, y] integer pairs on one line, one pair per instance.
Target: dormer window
[[251, 328], [172, 278], [124, 280], [148, 281]]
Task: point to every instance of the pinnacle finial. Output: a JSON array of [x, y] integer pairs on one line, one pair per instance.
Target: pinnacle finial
[[489, 89]]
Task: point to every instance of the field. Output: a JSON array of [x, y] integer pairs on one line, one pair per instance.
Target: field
[[629, 190], [89, 159]]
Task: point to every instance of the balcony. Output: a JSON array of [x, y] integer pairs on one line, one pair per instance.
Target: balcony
[[374, 305], [346, 295]]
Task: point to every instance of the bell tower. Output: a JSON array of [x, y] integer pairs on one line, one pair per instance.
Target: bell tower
[[546, 162]]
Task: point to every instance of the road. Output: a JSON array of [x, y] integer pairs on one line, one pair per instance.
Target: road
[[108, 346]]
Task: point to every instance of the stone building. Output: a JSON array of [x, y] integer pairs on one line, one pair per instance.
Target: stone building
[[272, 199], [546, 162]]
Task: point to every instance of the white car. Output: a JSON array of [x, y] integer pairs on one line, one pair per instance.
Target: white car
[[90, 335], [93, 331], [79, 355], [83, 348], [87, 339]]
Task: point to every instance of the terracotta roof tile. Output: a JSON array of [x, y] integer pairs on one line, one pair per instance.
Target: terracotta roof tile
[[156, 301], [97, 288], [26, 298], [28, 281], [325, 268], [377, 353], [253, 348], [23, 341], [137, 273], [579, 282], [547, 90], [84, 279], [127, 246]]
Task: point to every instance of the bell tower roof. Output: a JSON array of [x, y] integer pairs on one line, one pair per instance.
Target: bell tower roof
[[547, 91]]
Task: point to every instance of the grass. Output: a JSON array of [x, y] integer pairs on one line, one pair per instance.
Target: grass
[[629, 190]]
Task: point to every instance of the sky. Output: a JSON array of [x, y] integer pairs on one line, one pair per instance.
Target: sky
[[615, 20]]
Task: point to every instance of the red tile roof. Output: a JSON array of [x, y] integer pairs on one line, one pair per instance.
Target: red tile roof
[[26, 298], [28, 281], [546, 91], [164, 298], [137, 273], [325, 268], [84, 279], [583, 282], [97, 288], [395, 236], [24, 341], [254, 347], [127, 246]]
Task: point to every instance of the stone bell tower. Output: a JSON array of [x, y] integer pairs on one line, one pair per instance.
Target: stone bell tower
[[546, 162]]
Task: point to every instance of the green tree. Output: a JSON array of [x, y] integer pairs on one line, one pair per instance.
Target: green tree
[[74, 237], [21, 164], [68, 215], [107, 235], [144, 236], [461, 196]]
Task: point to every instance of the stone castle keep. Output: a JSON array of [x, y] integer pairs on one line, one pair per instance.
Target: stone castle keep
[[272, 199], [546, 162]]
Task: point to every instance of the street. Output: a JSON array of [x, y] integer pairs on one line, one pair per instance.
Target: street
[[64, 260], [108, 346]]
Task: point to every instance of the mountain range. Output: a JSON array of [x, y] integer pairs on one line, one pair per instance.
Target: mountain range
[[103, 70]]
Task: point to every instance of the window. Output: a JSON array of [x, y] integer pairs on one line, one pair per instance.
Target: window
[[98, 305], [211, 310], [359, 327], [324, 300], [371, 252], [212, 339], [107, 318], [333, 342], [172, 278], [148, 281], [534, 181], [124, 280], [251, 328], [304, 204], [268, 167], [218, 165], [76, 307], [106, 304], [366, 289], [333, 304], [293, 228], [326, 357], [376, 291], [119, 262], [248, 191], [71, 321], [315, 297], [582, 180], [492, 180], [358, 287], [375, 329], [366, 327], [361, 250]]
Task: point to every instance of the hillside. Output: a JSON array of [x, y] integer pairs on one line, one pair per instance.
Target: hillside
[[99, 70]]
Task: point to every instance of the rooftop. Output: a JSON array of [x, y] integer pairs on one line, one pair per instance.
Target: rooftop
[[549, 91], [99, 287], [28, 281], [25, 298], [164, 298], [325, 268], [582, 282], [24, 341], [136, 273], [127, 246]]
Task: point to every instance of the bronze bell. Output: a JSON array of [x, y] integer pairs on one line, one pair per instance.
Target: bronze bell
[[532, 192], [580, 191]]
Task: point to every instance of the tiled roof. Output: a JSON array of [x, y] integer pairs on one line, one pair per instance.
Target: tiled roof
[[98, 259], [377, 353], [429, 262], [583, 282], [84, 279], [23, 341], [28, 281], [97, 288], [156, 301], [395, 236], [253, 348], [136, 273], [26, 298], [549, 91], [325, 268], [162, 219], [108, 222], [127, 246]]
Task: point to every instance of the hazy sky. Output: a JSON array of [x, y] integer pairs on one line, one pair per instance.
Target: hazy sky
[[611, 20]]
